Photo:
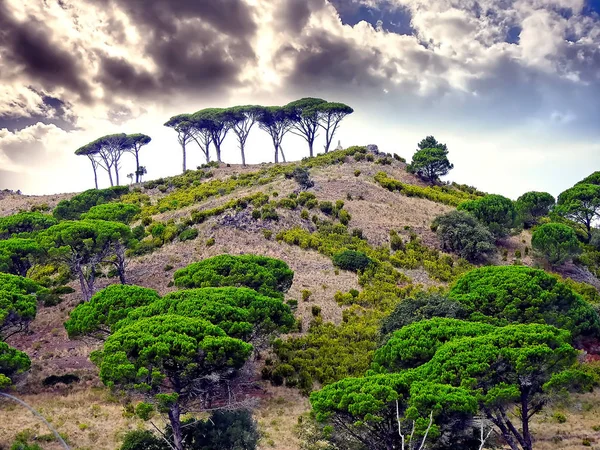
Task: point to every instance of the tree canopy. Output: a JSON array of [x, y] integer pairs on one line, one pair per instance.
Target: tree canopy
[[18, 255], [268, 276], [496, 212], [306, 119], [581, 204], [24, 223], [18, 303], [330, 115], [555, 242], [430, 164], [81, 203], [277, 121], [12, 362], [107, 307], [115, 212], [520, 294], [431, 142], [186, 132], [533, 205]]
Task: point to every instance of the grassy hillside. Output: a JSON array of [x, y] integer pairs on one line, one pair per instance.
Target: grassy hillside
[[93, 418]]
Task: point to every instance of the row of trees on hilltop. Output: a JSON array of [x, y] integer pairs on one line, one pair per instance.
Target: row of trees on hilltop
[[304, 118]]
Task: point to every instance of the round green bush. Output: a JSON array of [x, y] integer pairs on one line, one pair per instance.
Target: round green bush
[[496, 212], [188, 234], [351, 260], [556, 242]]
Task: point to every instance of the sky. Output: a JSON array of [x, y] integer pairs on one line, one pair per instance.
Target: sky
[[511, 86]]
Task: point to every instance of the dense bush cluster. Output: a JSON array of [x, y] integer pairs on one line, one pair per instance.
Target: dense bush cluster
[[81, 203], [556, 242], [496, 212]]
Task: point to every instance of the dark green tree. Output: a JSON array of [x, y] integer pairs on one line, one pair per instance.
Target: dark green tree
[[85, 245], [179, 363], [135, 142], [351, 260], [12, 363], [431, 142], [460, 233], [111, 148], [17, 255], [91, 152], [24, 222], [594, 178], [520, 294], [277, 122], [218, 122], [186, 132], [267, 276], [329, 116], [531, 206], [430, 164], [248, 115], [496, 212], [114, 212], [107, 307], [306, 119], [81, 203], [18, 303], [581, 204], [556, 242]]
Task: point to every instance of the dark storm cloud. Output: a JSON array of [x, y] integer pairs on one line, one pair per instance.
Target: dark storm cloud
[[29, 48], [293, 15], [196, 46], [52, 111]]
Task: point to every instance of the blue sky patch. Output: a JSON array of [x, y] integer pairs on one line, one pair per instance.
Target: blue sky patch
[[393, 18]]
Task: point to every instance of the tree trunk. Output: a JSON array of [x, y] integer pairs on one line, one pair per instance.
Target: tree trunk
[[525, 422], [137, 167], [276, 153], [110, 176], [183, 148], [243, 155], [282, 154], [174, 419], [117, 172], [218, 150], [95, 175], [310, 147]]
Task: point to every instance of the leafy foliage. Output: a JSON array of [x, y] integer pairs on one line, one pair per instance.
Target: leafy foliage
[[106, 308], [460, 233], [534, 205], [422, 306], [430, 164], [24, 223], [556, 242], [115, 212], [18, 303], [267, 276], [581, 204], [351, 260], [81, 203], [519, 294], [496, 212], [12, 362], [18, 255]]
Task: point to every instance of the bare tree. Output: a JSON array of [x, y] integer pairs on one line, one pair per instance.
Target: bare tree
[[182, 124]]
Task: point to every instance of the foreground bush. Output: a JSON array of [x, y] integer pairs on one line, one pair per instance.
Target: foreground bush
[[268, 276], [460, 233], [519, 294], [116, 212], [556, 242], [351, 260]]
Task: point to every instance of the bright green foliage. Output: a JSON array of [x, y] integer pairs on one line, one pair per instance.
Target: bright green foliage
[[18, 255], [496, 212], [430, 164], [115, 212], [268, 276], [351, 260], [513, 365], [85, 244], [422, 306], [18, 303], [431, 142], [24, 222], [108, 306], [415, 344], [12, 362], [594, 178], [143, 440], [581, 204], [81, 203], [556, 242], [438, 194], [170, 358], [367, 409], [460, 233], [519, 294], [240, 312], [531, 206], [188, 234]]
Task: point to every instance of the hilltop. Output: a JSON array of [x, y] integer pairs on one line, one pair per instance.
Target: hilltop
[[243, 210]]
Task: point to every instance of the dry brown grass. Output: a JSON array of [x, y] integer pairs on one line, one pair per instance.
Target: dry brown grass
[[14, 203]]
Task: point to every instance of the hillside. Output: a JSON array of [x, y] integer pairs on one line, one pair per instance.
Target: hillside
[[93, 418]]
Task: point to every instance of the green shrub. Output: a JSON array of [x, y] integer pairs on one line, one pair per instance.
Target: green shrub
[[531, 206], [344, 216], [81, 203], [267, 276], [496, 212], [24, 223], [518, 294], [304, 197], [359, 157], [287, 203], [115, 212], [559, 417], [460, 233], [357, 233], [304, 215], [269, 213], [351, 260], [306, 295], [556, 242], [357, 173], [143, 440], [370, 157], [396, 242], [188, 234], [267, 234], [210, 242], [302, 177], [326, 208], [315, 310]]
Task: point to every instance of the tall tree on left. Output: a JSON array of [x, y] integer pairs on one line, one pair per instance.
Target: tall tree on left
[[185, 129], [84, 246], [106, 152]]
